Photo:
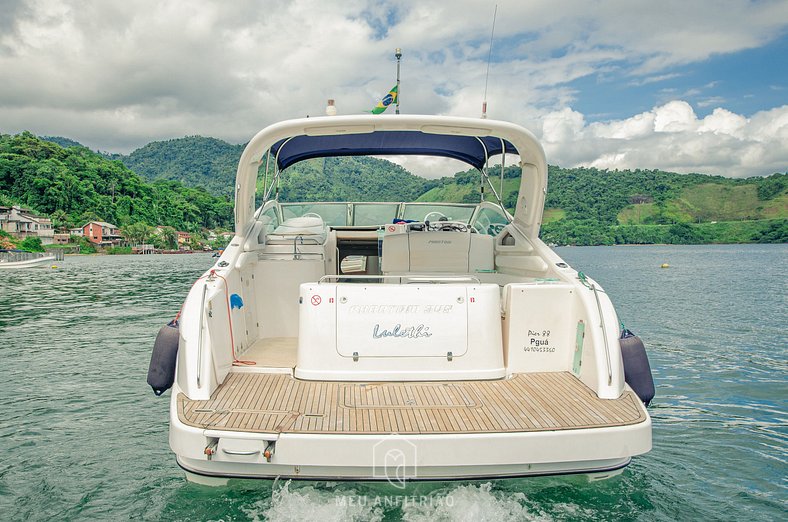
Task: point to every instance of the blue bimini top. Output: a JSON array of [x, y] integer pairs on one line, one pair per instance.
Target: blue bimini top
[[474, 151]]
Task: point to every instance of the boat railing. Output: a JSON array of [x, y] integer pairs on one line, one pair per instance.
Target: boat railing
[[401, 279], [604, 335], [13, 256]]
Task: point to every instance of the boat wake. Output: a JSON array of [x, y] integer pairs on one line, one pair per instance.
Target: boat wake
[[328, 503]]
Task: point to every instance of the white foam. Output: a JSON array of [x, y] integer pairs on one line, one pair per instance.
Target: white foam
[[309, 503], [330, 502], [472, 503]]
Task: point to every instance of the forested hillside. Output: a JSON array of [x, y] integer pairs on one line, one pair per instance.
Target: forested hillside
[[591, 206], [75, 185], [212, 164], [584, 205], [351, 179], [63, 142], [194, 161]]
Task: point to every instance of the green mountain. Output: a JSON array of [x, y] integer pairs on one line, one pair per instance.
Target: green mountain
[[194, 161], [592, 206], [211, 163], [75, 185], [350, 179], [584, 205], [63, 142]]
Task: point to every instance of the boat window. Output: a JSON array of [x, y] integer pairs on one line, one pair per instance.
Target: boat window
[[270, 220], [374, 214], [333, 214], [490, 221], [436, 212]]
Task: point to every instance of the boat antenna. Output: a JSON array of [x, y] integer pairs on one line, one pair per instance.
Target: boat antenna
[[489, 57], [398, 54]]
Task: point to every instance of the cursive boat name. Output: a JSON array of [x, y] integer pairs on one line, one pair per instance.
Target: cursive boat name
[[408, 332]]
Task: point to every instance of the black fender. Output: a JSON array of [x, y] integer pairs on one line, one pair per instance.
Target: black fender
[[637, 370], [161, 372]]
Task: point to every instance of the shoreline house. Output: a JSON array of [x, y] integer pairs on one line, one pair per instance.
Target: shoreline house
[[184, 240], [23, 223], [102, 233], [61, 238]]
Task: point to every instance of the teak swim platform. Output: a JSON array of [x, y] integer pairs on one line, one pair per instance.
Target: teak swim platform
[[278, 403]]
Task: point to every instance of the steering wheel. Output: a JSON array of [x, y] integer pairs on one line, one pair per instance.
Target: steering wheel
[[448, 226], [439, 214], [452, 226]]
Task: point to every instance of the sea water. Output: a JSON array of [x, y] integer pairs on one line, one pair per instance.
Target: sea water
[[83, 437]]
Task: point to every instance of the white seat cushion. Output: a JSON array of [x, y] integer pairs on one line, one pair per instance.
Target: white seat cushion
[[311, 228]]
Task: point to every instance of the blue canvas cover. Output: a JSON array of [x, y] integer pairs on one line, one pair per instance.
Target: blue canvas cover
[[469, 149]]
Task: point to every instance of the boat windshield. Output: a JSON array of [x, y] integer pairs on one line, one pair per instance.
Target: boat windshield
[[437, 212], [378, 214], [333, 214]]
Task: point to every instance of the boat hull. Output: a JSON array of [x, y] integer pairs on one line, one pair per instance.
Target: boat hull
[[598, 470]]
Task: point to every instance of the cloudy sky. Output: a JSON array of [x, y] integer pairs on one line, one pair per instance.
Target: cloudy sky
[[687, 86]]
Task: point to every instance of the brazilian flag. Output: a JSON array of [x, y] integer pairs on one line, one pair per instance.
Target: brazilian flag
[[387, 100]]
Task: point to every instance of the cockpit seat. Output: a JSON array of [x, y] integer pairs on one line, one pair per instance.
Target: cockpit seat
[[307, 229]]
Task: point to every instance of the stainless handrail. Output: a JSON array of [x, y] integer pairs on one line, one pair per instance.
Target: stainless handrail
[[199, 337], [287, 255], [448, 279], [418, 278], [604, 335], [236, 452]]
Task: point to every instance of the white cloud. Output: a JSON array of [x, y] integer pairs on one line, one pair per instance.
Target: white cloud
[[671, 137], [562, 126], [637, 126], [674, 116], [115, 74], [723, 121], [654, 79]]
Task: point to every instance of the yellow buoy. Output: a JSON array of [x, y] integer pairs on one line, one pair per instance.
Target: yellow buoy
[[664, 265], [54, 266]]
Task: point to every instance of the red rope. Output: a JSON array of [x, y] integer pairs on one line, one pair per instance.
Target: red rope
[[236, 361]]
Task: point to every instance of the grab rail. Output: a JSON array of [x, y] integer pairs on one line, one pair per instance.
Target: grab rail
[[199, 337], [410, 278], [604, 335], [239, 452]]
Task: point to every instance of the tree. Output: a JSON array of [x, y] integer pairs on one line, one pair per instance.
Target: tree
[[76, 186], [32, 244], [167, 238], [136, 233], [85, 246], [196, 242], [60, 219]]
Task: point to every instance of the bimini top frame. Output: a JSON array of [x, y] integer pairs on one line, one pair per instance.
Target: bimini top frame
[[469, 140]]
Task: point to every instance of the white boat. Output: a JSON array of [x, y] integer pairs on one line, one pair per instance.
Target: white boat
[[20, 259], [397, 341]]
